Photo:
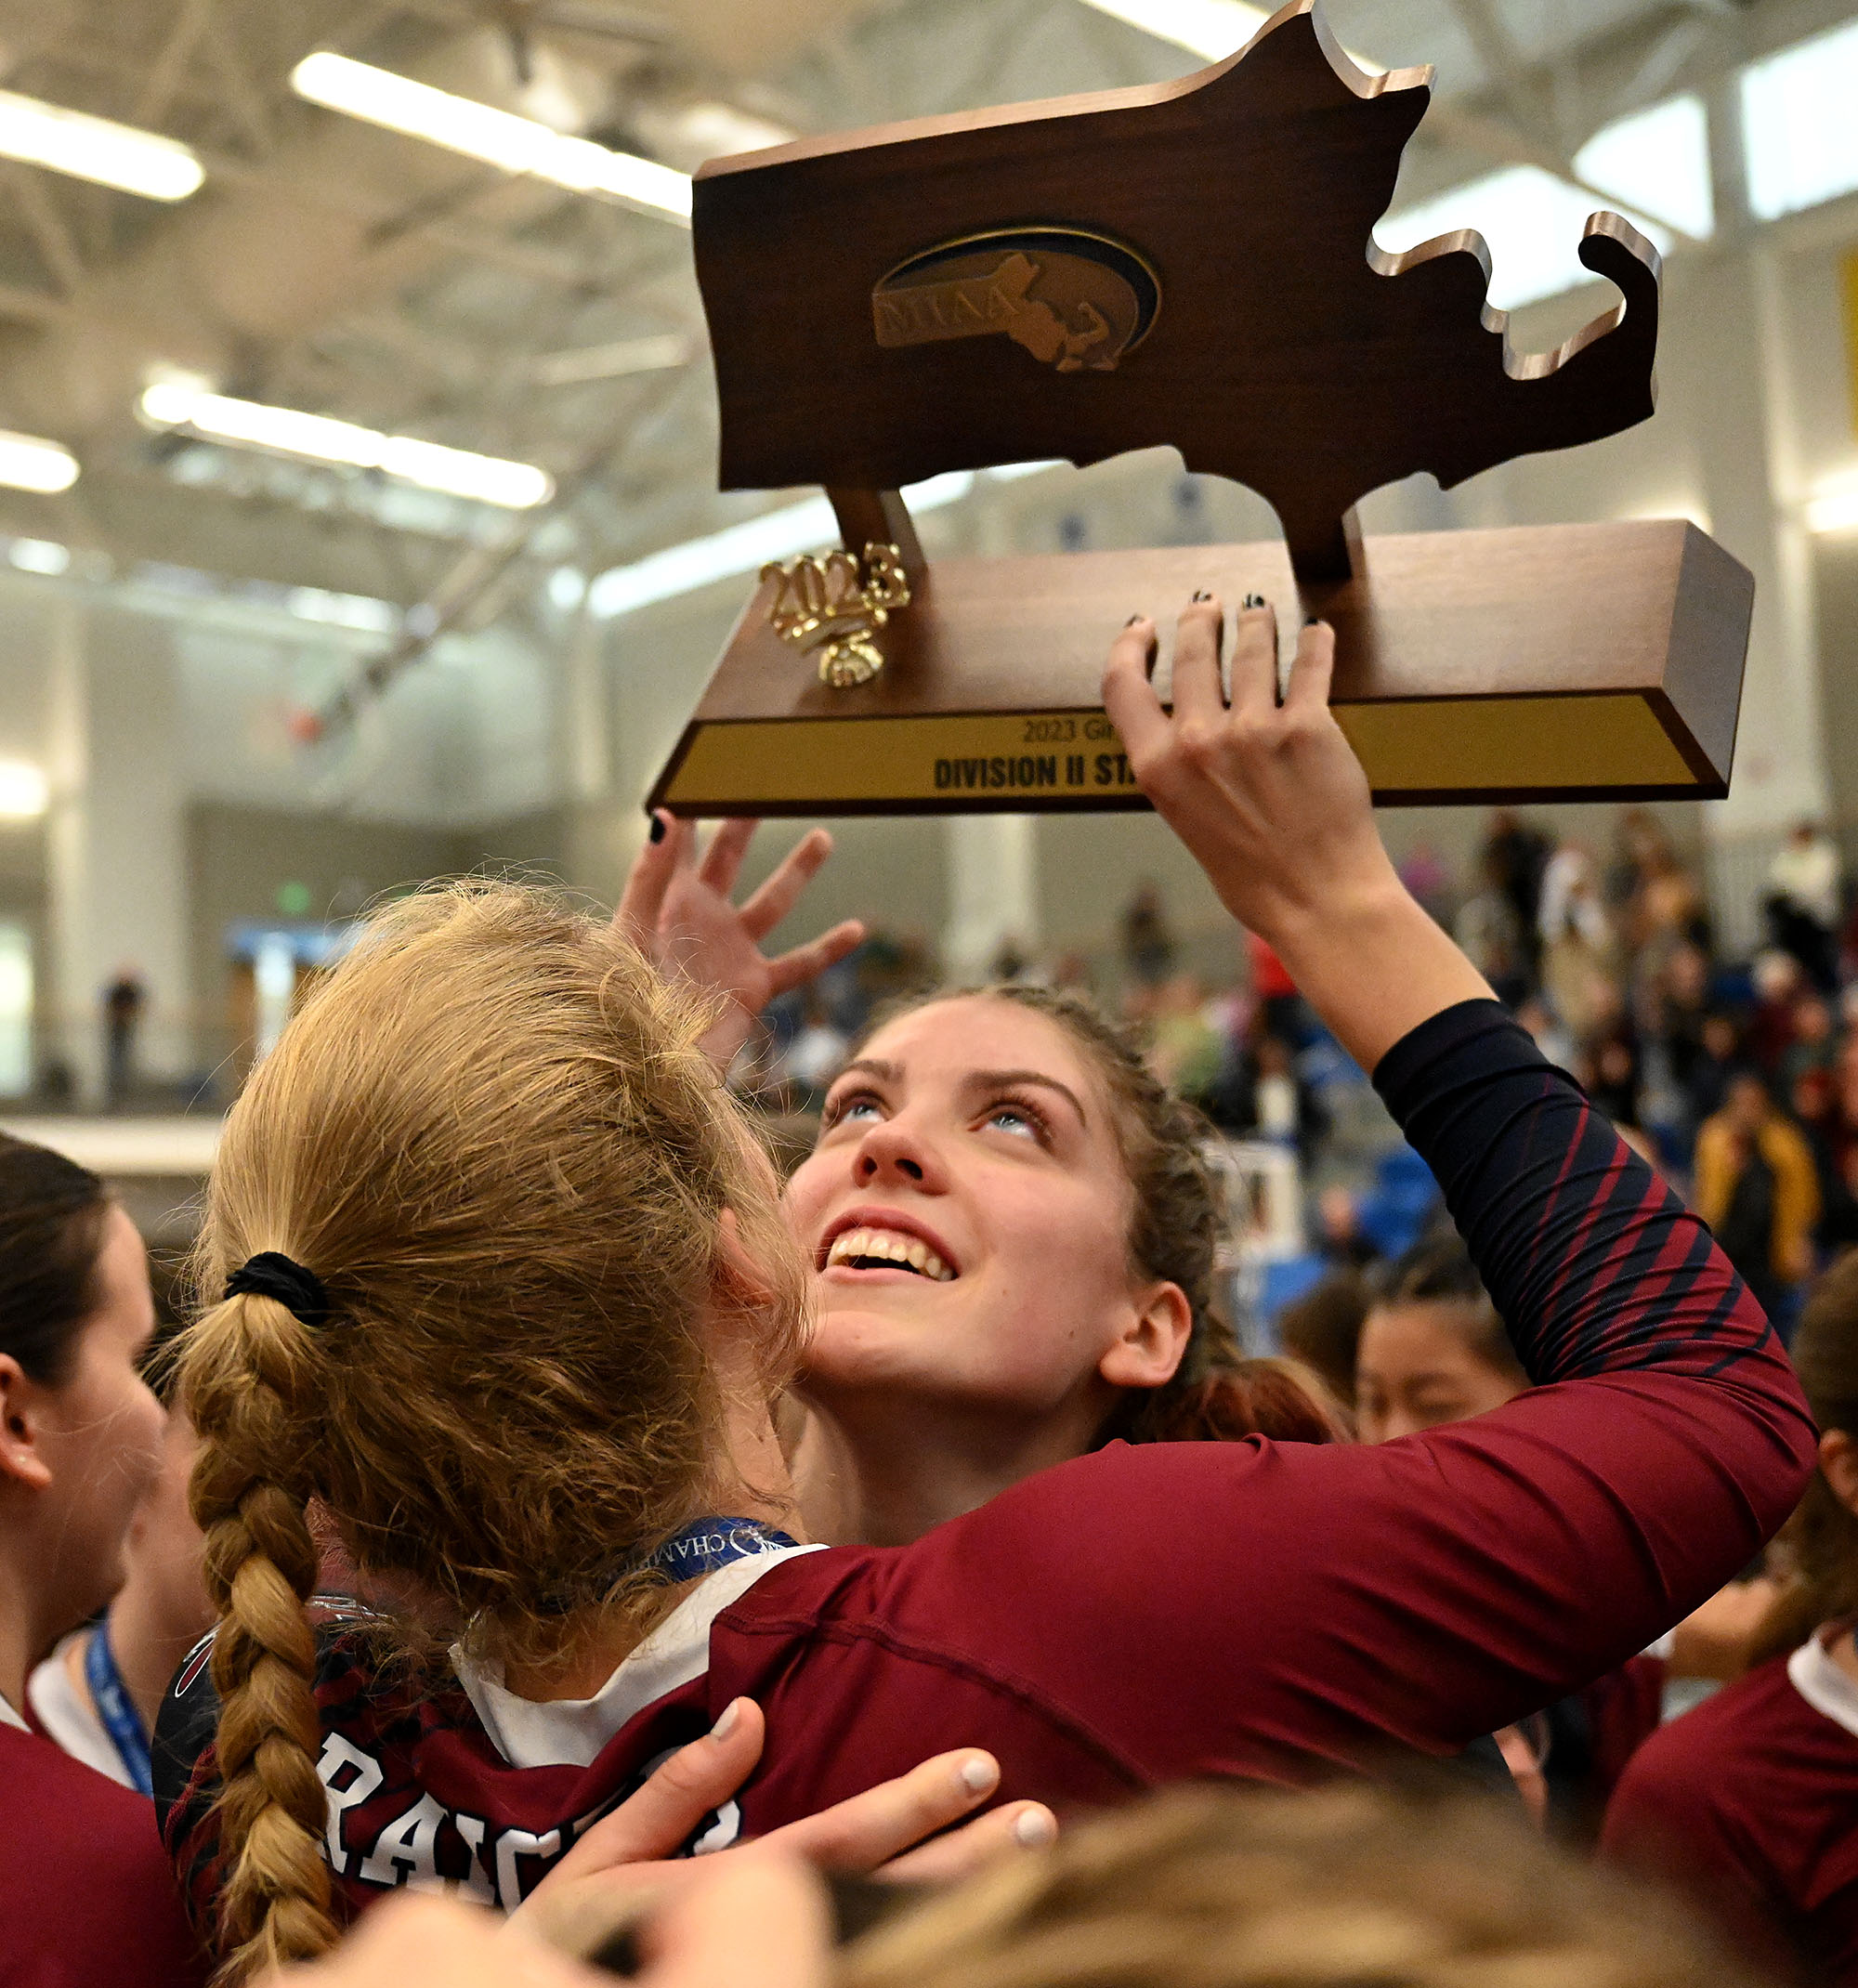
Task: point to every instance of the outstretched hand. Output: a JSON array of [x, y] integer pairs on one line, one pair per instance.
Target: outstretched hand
[[678, 911], [1274, 804]]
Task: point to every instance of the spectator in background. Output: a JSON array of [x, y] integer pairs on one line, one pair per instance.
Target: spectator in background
[[1609, 1071], [1427, 874], [1578, 956], [1012, 962], [124, 1001], [1148, 944], [1552, 1039], [1322, 1328], [1187, 1050], [1655, 901], [1289, 1110], [1769, 1032], [1281, 1009], [816, 1054], [1814, 1108], [1757, 1188], [1338, 1237], [1513, 858], [1812, 1047], [1490, 933], [1805, 901], [1672, 1008], [1639, 839], [1719, 1056]]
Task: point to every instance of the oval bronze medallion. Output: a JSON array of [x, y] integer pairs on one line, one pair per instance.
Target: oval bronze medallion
[[1074, 299]]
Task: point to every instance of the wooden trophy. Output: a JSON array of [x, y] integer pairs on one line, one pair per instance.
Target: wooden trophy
[[1188, 264]]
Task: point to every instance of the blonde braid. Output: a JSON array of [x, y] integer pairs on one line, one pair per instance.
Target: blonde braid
[[249, 1365]]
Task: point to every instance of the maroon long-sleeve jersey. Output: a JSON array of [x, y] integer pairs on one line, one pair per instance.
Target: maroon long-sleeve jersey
[[1268, 1611], [86, 1894], [1750, 1804]]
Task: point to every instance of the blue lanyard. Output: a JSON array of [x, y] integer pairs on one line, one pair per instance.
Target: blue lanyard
[[119, 1716], [702, 1547], [706, 1544]]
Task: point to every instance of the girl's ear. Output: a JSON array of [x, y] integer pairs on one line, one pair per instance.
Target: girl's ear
[[1152, 1345], [22, 1456], [1839, 1466]]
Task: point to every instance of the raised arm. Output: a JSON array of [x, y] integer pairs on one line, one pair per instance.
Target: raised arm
[[679, 912], [1276, 809], [1441, 1586]]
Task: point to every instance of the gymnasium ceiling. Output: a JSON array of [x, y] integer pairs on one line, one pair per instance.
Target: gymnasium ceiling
[[331, 267]]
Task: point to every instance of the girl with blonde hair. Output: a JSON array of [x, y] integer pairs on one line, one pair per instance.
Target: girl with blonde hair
[[507, 1294]]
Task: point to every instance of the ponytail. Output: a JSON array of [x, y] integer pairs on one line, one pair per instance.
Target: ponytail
[[1277, 1398], [249, 1367], [1821, 1540]]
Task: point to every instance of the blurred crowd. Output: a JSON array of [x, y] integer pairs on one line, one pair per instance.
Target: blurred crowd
[[1735, 1073]]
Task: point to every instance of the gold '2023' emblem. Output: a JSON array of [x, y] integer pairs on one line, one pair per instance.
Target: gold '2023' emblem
[[1074, 299]]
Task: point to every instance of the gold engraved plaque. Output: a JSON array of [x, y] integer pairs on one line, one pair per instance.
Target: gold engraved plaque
[[1075, 300]]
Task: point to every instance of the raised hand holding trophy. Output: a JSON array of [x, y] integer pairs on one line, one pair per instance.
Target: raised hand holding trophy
[[1189, 264]]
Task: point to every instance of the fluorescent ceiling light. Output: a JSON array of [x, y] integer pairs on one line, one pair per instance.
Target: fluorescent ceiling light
[[457, 472], [499, 138], [1531, 222], [95, 148], [746, 548], [1799, 136], [39, 555], [1835, 509], [1657, 161], [623, 356], [23, 792], [27, 462], [342, 610], [1210, 29]]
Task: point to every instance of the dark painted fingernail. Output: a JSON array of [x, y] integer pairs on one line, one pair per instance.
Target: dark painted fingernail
[[1153, 656], [657, 827], [1256, 600], [1310, 621], [1202, 595], [1132, 619]]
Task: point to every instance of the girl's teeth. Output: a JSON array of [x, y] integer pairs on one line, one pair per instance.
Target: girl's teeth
[[891, 1248]]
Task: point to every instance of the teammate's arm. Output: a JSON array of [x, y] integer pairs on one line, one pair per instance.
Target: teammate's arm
[[679, 911], [895, 1829]]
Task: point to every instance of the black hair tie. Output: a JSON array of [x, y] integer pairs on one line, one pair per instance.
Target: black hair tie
[[270, 1274]]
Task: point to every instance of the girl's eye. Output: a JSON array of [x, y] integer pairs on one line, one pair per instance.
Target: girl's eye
[[1010, 1118], [858, 1106]]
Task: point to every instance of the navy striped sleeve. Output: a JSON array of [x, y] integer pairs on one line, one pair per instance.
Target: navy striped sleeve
[[1594, 1264]]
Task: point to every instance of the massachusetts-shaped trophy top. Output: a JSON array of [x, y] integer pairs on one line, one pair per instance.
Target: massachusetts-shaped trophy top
[[1189, 264]]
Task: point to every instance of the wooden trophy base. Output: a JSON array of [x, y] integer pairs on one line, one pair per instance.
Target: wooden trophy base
[[1573, 662]]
